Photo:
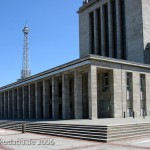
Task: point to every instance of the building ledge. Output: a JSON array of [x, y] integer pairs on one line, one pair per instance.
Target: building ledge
[[70, 65]]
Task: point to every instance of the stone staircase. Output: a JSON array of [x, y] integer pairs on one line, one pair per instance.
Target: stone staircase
[[85, 132]]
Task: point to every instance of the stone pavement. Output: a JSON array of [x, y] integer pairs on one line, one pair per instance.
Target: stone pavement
[[15, 140], [103, 122]]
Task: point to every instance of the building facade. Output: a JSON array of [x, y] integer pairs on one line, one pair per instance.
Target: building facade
[[103, 82], [115, 28]]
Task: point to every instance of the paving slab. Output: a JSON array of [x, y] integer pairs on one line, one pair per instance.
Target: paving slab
[[15, 140], [102, 122]]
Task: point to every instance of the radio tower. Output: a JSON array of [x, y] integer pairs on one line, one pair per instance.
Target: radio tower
[[25, 72]]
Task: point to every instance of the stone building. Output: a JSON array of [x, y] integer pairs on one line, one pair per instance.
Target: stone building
[[110, 79]]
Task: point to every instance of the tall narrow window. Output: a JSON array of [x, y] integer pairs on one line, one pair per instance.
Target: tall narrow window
[[106, 36], [91, 23], [98, 31], [122, 25], [129, 100], [142, 82], [129, 80], [143, 94], [114, 36]]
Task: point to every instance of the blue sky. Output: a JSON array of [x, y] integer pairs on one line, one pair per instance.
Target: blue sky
[[53, 38]]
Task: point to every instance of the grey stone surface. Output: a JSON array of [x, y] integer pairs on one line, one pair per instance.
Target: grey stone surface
[[92, 92], [55, 99], [78, 95], [65, 97], [16, 140], [136, 93]]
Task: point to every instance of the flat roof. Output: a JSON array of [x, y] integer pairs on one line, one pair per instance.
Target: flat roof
[[71, 65]]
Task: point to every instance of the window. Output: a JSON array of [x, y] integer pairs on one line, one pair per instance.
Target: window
[[106, 29], [106, 81], [114, 31], [122, 25], [98, 29], [91, 27], [105, 105], [129, 80], [142, 82]]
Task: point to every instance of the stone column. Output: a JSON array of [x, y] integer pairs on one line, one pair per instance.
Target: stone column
[[29, 103], [65, 97], [92, 92], [20, 103], [6, 104], [23, 99], [136, 93], [55, 99], [110, 29], [78, 95], [148, 93], [32, 102], [36, 101], [124, 91], [38, 97], [15, 104], [46, 99], [117, 93], [1, 105], [13, 101], [25, 103], [118, 28], [10, 104]]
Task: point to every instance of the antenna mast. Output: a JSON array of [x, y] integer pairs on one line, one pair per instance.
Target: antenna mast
[[25, 72]]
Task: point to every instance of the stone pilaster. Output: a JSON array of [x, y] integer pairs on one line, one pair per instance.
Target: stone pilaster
[[25, 103], [1, 105], [32, 102], [6, 104], [55, 99], [46, 99], [118, 27], [124, 91], [15, 103], [92, 92], [117, 93], [65, 97], [78, 95], [20, 103], [8, 98], [136, 93], [29, 104], [10, 114], [38, 100]]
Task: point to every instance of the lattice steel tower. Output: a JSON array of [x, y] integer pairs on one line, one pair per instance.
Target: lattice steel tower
[[25, 72]]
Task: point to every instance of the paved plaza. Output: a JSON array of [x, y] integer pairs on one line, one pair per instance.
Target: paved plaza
[[15, 140], [103, 122]]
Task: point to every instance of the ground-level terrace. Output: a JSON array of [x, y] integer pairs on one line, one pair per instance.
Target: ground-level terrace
[[88, 88]]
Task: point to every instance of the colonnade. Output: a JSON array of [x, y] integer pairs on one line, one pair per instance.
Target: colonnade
[[63, 96]]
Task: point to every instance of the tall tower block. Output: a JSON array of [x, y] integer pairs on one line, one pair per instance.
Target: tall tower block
[[25, 64]]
